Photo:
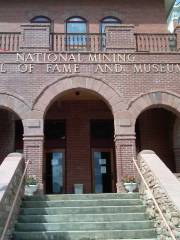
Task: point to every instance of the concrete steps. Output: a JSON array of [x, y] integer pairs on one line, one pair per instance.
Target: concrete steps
[[84, 217]]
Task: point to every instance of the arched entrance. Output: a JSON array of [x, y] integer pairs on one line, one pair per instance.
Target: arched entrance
[[155, 116], [11, 133], [79, 144], [155, 131]]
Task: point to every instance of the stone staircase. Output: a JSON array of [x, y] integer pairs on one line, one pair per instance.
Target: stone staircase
[[83, 217]]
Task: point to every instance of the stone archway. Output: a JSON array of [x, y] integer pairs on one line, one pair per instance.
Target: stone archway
[[55, 89], [15, 104], [154, 116], [13, 109], [159, 98]]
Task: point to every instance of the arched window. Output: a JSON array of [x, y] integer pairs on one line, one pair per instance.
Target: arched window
[[108, 21], [76, 33], [40, 19], [76, 25]]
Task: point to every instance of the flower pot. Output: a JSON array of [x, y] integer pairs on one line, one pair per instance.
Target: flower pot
[[130, 187], [30, 189]]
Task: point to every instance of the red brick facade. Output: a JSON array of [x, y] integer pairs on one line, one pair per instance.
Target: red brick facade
[[136, 68]]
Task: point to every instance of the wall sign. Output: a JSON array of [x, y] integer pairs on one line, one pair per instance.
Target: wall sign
[[68, 63]]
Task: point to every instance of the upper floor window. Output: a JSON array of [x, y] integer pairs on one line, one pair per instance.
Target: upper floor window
[[41, 19], [76, 25], [76, 37], [108, 21]]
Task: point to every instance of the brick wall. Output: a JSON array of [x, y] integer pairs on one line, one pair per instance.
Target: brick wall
[[13, 14]]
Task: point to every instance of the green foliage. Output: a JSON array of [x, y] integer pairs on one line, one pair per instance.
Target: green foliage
[[30, 180], [128, 179]]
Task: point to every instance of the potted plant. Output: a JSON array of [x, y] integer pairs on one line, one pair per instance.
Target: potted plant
[[31, 185], [129, 183]]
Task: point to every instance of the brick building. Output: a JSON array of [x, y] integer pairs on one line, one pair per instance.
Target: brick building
[[86, 86]]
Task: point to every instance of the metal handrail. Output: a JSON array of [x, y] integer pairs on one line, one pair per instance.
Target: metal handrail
[[14, 202], [154, 200]]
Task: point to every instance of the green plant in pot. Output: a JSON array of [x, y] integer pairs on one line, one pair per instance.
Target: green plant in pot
[[31, 185], [129, 183]]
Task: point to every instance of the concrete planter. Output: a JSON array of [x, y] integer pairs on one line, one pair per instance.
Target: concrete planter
[[78, 188], [130, 187], [30, 189]]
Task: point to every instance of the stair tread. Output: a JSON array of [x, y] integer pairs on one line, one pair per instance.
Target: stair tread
[[103, 230], [87, 194], [94, 222], [108, 206], [87, 214], [85, 200]]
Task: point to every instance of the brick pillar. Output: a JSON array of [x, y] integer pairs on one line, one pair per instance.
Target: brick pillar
[[35, 37], [177, 31], [120, 37], [33, 148], [125, 151]]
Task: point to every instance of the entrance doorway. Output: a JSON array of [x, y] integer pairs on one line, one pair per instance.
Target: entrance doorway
[[102, 170], [79, 144]]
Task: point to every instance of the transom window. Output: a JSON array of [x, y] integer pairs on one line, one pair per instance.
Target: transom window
[[108, 21], [41, 19]]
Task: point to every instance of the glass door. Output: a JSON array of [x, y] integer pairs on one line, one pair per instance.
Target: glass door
[[55, 171], [102, 171]]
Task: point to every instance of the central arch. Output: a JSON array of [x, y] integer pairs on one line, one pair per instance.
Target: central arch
[[79, 144], [104, 93], [55, 89]]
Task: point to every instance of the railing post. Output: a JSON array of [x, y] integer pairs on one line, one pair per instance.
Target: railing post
[[177, 31], [35, 37], [120, 37]]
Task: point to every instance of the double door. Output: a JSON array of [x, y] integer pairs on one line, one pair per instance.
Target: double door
[[102, 171]]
